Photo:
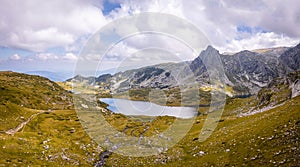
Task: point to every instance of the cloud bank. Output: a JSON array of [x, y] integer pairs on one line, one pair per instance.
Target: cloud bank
[[230, 25]]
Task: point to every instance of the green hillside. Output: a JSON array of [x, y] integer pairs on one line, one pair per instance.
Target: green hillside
[[251, 132], [53, 136], [270, 138], [32, 92], [23, 95]]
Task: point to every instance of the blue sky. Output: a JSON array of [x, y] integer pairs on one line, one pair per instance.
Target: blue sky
[[109, 6], [49, 36], [250, 30]]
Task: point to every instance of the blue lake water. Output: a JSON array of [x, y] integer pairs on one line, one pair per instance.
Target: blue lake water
[[130, 107]]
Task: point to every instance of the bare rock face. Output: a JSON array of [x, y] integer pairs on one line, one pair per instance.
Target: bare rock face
[[296, 88], [280, 89], [247, 72], [291, 58], [252, 71]]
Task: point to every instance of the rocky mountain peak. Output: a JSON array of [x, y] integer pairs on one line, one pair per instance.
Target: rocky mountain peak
[[208, 51], [245, 52], [246, 71]]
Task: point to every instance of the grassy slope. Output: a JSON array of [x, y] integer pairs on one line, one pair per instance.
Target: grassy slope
[[32, 92], [53, 138], [57, 138], [21, 93], [265, 139], [11, 115]]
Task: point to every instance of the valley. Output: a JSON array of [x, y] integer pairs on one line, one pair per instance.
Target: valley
[[58, 124]]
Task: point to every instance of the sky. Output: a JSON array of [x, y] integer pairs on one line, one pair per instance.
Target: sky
[[49, 36]]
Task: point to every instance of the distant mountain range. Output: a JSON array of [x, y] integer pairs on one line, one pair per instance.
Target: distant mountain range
[[53, 76], [246, 71], [63, 76]]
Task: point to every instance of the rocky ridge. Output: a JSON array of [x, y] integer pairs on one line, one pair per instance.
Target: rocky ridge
[[246, 71]]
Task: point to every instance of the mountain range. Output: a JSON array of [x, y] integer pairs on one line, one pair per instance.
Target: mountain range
[[40, 126], [53, 76], [246, 71]]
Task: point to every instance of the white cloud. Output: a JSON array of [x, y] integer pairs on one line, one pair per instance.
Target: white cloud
[[119, 52], [41, 39], [70, 56], [37, 26], [267, 40], [281, 17], [45, 57], [160, 41], [219, 19], [15, 57]]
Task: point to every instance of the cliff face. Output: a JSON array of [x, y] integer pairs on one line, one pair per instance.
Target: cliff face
[[291, 58], [252, 71]]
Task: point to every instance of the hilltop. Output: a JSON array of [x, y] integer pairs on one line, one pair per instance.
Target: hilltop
[[21, 94], [32, 91]]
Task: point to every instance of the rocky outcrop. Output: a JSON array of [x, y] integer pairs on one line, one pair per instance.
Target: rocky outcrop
[[79, 78], [280, 90], [295, 88]]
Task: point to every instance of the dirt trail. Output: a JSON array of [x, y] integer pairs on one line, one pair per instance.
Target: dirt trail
[[21, 125]]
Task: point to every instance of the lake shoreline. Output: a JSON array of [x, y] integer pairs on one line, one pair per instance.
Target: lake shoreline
[[145, 108]]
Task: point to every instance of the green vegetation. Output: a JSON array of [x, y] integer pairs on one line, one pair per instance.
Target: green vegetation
[[265, 139], [53, 139], [171, 97], [12, 114], [32, 92], [23, 95], [57, 138]]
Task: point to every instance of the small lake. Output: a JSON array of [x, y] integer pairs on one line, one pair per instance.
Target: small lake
[[133, 108]]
